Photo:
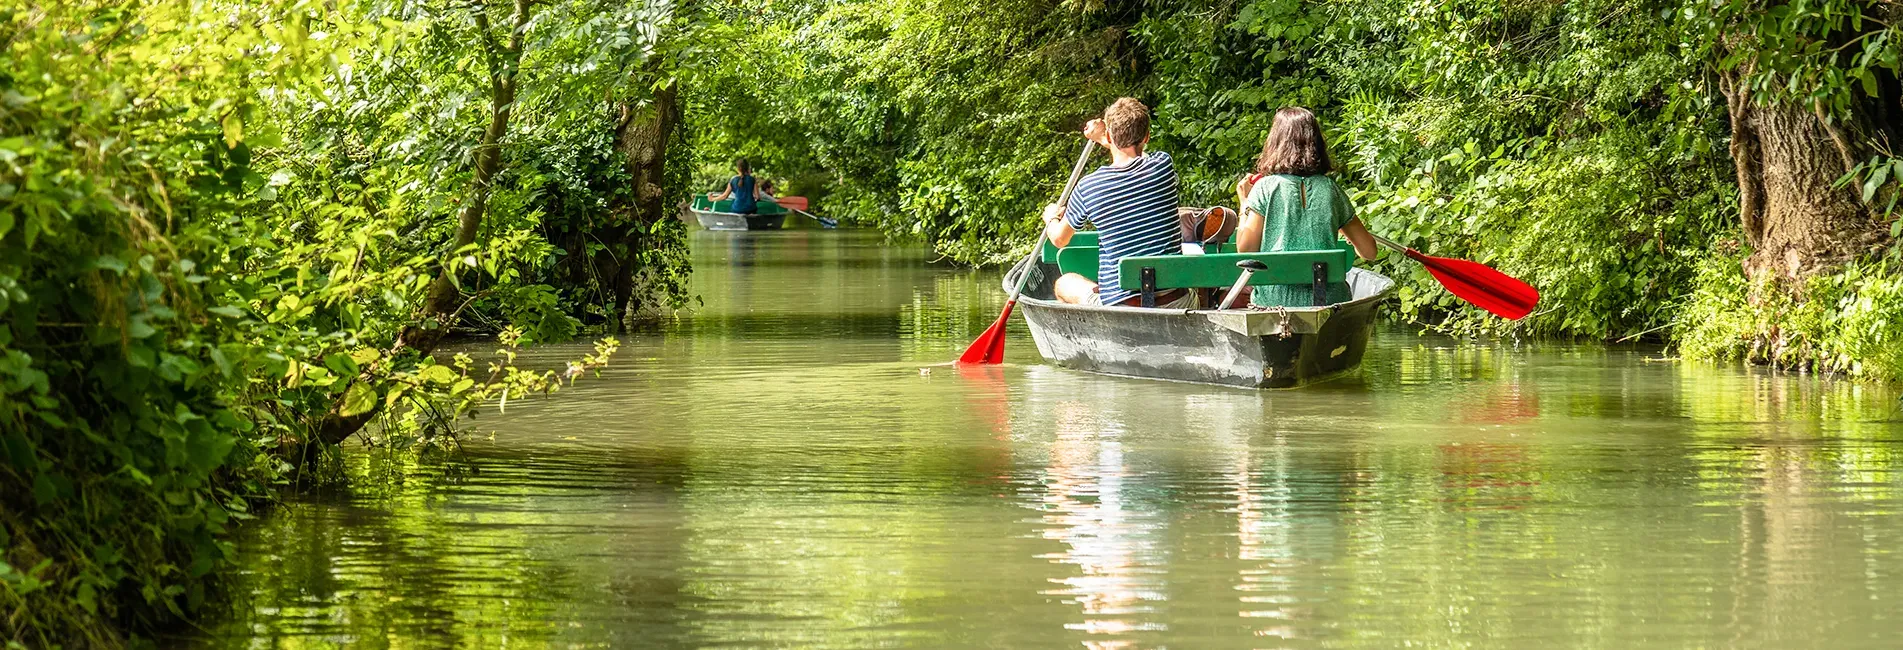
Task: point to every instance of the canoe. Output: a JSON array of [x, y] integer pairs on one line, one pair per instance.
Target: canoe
[[716, 216], [1250, 348]]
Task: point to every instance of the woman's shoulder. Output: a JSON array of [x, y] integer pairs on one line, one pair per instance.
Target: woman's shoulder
[[1318, 182], [1273, 182]]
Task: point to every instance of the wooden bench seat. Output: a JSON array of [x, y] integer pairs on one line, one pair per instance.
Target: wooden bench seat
[[1317, 269]]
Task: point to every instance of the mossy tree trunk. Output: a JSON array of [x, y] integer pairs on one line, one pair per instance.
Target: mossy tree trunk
[[1790, 153], [641, 135], [1796, 221]]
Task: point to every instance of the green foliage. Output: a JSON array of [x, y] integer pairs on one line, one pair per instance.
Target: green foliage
[[1844, 322], [126, 455], [933, 119], [217, 220], [1572, 143]]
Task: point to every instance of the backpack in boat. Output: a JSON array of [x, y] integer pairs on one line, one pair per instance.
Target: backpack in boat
[[1203, 228]]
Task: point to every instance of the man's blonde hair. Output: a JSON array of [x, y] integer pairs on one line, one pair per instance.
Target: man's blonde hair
[[1128, 121]]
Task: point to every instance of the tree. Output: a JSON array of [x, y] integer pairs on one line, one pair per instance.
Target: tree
[[1800, 122]]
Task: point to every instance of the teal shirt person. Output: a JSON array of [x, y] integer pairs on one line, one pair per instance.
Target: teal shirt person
[[1291, 204], [742, 190], [1299, 213]]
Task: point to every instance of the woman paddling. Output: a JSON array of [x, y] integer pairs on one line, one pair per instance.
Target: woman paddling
[[1290, 204], [742, 189]]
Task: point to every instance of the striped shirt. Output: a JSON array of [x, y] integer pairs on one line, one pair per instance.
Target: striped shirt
[[1133, 207]]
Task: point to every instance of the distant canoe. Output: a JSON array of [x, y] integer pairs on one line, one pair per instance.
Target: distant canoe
[[1250, 348], [718, 216]]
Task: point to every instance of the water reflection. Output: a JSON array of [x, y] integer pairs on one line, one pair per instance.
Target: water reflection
[[786, 467]]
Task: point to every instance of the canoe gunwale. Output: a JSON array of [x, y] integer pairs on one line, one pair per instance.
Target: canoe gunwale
[[1302, 320]]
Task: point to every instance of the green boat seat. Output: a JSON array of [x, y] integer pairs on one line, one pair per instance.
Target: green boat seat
[[1081, 260], [1089, 239], [1048, 254], [1316, 268]]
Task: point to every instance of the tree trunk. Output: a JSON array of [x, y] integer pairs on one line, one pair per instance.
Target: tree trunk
[[642, 136], [444, 300], [1788, 159]]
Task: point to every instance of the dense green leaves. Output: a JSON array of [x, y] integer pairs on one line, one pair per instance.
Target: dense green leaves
[[216, 221], [1576, 144], [1582, 145]]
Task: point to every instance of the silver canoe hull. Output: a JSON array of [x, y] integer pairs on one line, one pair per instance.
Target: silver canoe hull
[[712, 220], [1245, 348]]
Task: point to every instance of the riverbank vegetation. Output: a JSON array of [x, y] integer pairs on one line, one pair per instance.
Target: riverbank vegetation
[[234, 234], [1699, 171]]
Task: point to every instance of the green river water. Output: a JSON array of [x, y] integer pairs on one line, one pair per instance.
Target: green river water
[[776, 470]]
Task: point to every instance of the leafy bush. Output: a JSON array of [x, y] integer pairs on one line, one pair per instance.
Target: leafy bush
[[218, 223], [1850, 321]]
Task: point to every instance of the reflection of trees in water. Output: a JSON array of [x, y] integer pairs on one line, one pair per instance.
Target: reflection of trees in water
[[399, 567], [1523, 497], [954, 309], [1809, 466]]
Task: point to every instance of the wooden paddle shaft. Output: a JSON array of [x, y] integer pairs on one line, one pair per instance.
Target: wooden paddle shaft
[[1076, 174], [1390, 244]]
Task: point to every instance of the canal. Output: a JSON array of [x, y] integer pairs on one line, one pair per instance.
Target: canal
[[786, 465]]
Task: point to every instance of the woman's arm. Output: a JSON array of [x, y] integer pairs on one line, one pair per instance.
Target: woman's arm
[[1242, 189], [724, 194], [1357, 234], [1249, 232]]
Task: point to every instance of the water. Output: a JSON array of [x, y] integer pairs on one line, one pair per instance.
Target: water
[[778, 470]]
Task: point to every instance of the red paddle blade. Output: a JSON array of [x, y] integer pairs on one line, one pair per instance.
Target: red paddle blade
[[791, 202], [1498, 293], [989, 348]]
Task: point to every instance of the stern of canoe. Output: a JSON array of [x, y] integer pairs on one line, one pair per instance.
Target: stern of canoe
[[1249, 349], [717, 216]]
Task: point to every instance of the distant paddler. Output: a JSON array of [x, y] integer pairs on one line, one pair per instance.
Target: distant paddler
[[743, 189]]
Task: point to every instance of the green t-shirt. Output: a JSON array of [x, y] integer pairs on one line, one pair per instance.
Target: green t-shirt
[[1299, 213]]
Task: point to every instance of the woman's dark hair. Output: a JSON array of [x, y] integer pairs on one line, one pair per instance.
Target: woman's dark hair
[[1295, 146], [742, 166]]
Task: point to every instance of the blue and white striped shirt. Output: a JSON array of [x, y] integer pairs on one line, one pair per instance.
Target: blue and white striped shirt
[[1133, 207]]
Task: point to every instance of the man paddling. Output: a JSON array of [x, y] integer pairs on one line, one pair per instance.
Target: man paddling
[[1131, 201]]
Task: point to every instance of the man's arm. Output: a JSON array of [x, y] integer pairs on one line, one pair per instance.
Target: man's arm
[[1056, 228], [1095, 131]]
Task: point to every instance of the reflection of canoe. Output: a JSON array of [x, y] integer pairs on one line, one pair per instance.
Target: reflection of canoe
[[716, 216], [1254, 348]]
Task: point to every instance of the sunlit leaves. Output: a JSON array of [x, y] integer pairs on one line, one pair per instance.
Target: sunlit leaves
[[215, 221]]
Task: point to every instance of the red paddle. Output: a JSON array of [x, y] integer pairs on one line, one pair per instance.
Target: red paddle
[[989, 348], [1496, 292], [791, 202]]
